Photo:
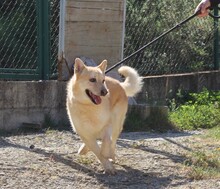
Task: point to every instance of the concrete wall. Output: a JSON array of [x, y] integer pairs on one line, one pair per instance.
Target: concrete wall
[[157, 88], [29, 102]]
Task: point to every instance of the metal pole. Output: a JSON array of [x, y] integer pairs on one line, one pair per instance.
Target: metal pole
[[46, 38], [216, 41], [43, 38], [39, 39]]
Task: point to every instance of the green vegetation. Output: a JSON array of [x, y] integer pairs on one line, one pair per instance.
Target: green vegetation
[[201, 110], [85, 160], [205, 164], [214, 133], [187, 111], [184, 50]]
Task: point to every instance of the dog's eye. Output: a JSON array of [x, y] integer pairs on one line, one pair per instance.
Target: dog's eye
[[103, 81], [92, 80]]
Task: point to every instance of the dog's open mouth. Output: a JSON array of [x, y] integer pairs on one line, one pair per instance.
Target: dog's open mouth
[[94, 98]]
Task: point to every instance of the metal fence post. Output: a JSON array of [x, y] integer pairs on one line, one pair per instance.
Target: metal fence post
[[216, 42], [43, 38]]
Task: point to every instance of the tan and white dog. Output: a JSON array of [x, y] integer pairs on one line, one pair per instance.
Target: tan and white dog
[[97, 105]]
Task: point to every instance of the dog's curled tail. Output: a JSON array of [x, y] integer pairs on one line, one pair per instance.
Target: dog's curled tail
[[133, 82]]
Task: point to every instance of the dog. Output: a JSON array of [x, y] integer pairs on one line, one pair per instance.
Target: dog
[[97, 105]]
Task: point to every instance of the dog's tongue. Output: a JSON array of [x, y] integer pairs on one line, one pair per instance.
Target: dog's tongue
[[97, 99]]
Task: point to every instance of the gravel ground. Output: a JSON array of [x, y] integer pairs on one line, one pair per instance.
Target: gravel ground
[[144, 160]]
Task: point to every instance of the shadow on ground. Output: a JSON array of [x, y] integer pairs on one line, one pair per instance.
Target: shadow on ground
[[126, 177]]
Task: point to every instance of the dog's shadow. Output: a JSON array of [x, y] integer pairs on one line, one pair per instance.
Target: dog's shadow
[[126, 176]]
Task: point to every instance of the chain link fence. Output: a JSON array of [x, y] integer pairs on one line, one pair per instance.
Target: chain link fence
[[18, 31], [187, 49], [24, 38]]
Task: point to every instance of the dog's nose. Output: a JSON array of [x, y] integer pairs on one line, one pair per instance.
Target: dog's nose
[[104, 92]]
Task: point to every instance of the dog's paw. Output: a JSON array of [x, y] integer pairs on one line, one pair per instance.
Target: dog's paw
[[109, 168], [112, 158], [110, 171]]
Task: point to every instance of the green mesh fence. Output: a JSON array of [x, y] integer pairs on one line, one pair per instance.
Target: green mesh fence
[[18, 31], [22, 30], [187, 49]]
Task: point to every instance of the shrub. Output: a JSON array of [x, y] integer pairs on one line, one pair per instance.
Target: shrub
[[201, 111]]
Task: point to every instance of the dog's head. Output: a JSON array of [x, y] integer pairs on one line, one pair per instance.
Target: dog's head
[[89, 82]]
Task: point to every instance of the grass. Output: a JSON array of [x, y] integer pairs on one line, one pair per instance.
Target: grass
[[205, 164], [85, 160], [214, 133]]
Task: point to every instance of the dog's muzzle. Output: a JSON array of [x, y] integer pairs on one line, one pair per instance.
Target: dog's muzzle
[[104, 92]]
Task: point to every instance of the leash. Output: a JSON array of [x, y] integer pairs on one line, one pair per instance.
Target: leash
[[159, 37]]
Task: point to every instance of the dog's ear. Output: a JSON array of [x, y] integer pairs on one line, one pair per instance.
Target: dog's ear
[[78, 66], [103, 65]]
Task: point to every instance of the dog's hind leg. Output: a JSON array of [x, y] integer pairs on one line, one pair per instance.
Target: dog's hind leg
[[83, 150], [117, 123]]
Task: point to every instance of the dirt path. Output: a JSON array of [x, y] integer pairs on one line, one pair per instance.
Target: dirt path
[[144, 160]]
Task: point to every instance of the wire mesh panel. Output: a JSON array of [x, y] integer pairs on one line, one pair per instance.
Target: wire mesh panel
[[29, 39], [187, 49], [18, 30]]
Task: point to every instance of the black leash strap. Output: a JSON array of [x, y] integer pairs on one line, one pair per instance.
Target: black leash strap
[[157, 38]]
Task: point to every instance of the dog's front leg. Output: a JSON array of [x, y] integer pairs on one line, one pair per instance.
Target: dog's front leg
[[106, 147], [92, 144]]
